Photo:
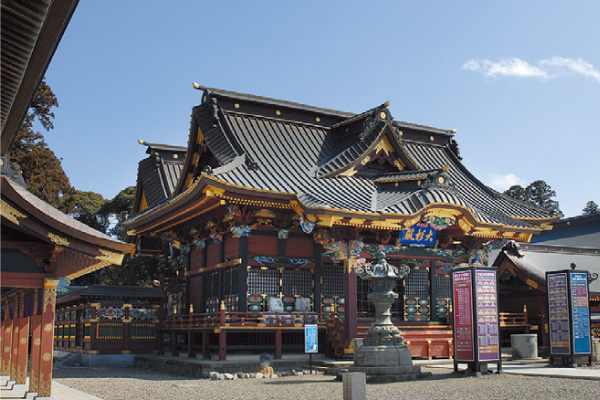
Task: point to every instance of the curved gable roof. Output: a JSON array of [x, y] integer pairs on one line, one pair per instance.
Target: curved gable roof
[[270, 146]]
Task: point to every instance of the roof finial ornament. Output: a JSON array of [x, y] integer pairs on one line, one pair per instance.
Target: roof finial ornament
[[140, 141], [197, 86]]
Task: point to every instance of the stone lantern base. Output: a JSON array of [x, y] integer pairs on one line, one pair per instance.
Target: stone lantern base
[[385, 363]]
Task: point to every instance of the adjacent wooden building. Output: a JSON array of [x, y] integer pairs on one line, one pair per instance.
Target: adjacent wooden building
[[275, 205], [573, 243], [40, 245], [106, 319]]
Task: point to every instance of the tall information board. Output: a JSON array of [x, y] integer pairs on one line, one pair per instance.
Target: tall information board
[[476, 322], [569, 314]]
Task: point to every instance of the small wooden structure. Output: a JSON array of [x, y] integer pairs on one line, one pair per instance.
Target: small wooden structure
[[277, 203], [39, 245], [573, 242], [104, 319]]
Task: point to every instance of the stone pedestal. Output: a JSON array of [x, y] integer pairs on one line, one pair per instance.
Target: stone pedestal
[[524, 346], [386, 363]]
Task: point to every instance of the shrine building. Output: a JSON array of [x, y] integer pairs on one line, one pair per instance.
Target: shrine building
[[266, 214], [39, 243]]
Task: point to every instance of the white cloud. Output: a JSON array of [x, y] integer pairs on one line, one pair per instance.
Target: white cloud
[[562, 66], [545, 69], [507, 67], [502, 182]]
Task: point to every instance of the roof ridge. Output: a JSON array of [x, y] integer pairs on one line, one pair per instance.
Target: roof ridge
[[272, 101], [306, 107]]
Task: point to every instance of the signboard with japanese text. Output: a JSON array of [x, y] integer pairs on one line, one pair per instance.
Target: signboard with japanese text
[[464, 348], [488, 335], [581, 313], [558, 313], [419, 235], [311, 339], [569, 313]]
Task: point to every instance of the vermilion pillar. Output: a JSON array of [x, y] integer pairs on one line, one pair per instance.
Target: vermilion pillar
[[23, 343], [278, 344], [44, 379], [7, 328], [15, 339], [36, 340]]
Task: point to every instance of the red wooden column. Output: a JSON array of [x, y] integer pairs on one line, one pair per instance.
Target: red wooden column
[[205, 340], [174, 350], [23, 343], [191, 338], [36, 340], [47, 338], [350, 302], [15, 339], [278, 344], [222, 344], [7, 329]]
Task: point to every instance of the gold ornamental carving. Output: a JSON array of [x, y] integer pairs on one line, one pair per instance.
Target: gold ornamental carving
[[21, 375], [23, 340], [59, 240], [11, 213], [45, 388], [46, 357], [7, 349], [37, 342], [108, 256], [49, 297], [48, 327]]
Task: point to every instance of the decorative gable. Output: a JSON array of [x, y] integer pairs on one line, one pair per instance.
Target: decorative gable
[[367, 143]]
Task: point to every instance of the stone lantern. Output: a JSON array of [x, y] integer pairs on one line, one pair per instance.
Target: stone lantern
[[383, 356]]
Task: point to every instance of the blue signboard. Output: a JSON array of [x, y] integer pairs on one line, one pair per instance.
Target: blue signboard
[[419, 235], [581, 313], [311, 339]]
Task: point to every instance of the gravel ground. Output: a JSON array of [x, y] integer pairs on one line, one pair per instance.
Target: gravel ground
[[142, 384]]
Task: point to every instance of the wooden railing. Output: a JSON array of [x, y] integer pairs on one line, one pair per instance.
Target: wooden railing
[[514, 319], [245, 319]]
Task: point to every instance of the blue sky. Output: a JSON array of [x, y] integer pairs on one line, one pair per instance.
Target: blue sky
[[519, 80]]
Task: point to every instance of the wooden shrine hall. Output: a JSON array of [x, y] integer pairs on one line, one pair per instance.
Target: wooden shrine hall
[[276, 203], [39, 243]]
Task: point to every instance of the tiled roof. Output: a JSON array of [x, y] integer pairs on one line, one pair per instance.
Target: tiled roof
[[158, 174], [582, 231], [537, 259], [271, 145], [127, 292]]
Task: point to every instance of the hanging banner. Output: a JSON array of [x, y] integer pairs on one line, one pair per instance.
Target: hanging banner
[[464, 349]]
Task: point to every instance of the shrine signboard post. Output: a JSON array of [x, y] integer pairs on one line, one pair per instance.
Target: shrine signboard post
[[569, 316], [311, 341], [476, 327]]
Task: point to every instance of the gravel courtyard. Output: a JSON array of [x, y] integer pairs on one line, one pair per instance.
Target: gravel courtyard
[[142, 384]]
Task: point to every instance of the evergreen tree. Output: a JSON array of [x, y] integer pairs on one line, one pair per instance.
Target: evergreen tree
[[42, 170], [538, 193], [591, 208]]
